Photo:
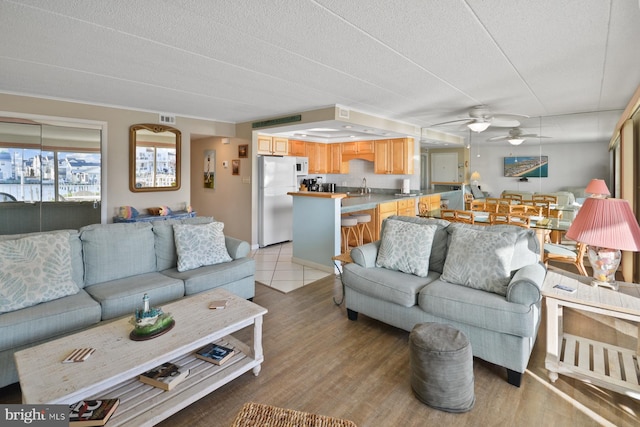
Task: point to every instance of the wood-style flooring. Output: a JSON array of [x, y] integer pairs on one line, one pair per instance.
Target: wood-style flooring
[[318, 361]]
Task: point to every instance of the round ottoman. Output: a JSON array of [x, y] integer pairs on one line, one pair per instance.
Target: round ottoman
[[441, 367]]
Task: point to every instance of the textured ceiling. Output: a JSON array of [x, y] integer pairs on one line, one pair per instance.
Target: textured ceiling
[[416, 61]]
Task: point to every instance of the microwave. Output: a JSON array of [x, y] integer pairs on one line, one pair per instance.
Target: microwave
[[302, 166]]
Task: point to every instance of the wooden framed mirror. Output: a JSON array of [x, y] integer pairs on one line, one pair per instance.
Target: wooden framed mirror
[[154, 158]]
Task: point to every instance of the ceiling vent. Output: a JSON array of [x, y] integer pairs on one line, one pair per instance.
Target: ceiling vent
[[167, 119]]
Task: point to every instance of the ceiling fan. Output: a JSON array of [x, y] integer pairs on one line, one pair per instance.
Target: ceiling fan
[[480, 118], [516, 137]]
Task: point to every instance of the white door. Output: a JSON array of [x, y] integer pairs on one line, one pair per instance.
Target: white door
[[444, 167]]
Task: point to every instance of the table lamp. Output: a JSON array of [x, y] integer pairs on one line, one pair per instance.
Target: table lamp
[[475, 177], [606, 226], [598, 188]]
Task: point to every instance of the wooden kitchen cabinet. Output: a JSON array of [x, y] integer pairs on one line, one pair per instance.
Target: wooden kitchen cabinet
[[317, 153], [357, 147], [385, 210], [297, 148], [393, 156], [334, 160], [273, 145], [407, 207], [428, 205]]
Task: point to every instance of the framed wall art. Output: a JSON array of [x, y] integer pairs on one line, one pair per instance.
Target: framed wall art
[[243, 151], [209, 168], [235, 167], [526, 166]]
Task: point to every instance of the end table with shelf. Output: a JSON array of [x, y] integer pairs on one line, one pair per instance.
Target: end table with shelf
[[599, 363]]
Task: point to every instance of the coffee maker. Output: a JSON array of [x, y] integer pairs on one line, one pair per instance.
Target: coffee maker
[[311, 184]]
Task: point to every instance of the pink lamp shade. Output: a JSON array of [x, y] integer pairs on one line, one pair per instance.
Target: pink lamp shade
[[607, 223], [597, 186]]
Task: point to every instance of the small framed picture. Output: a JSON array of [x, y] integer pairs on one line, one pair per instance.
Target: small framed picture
[[235, 167], [243, 151]]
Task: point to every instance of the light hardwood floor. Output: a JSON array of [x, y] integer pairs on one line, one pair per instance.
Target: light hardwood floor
[[318, 361]]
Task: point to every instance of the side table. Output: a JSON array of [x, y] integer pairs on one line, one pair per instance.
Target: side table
[[344, 258], [599, 363]]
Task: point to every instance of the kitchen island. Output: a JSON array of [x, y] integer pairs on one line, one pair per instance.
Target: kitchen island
[[316, 219]]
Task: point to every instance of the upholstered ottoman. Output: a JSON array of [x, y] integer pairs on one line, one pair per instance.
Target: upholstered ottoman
[[441, 367]]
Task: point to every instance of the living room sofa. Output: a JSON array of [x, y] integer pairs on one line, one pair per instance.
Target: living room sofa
[[483, 280], [102, 271]]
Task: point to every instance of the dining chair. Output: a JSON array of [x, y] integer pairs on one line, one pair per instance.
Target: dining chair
[[496, 218], [544, 198], [466, 217], [566, 254], [478, 206], [448, 214], [523, 221], [468, 198], [526, 209], [512, 196]]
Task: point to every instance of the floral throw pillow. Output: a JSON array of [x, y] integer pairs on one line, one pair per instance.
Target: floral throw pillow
[[200, 244], [480, 259], [406, 247], [35, 269]]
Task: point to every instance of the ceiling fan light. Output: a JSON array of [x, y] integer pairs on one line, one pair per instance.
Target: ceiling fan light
[[478, 126], [516, 141]]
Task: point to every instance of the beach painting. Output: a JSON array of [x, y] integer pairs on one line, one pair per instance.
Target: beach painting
[[527, 166]]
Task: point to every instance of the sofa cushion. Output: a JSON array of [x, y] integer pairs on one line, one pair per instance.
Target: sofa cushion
[[35, 269], [440, 239], [478, 308], [199, 245], [388, 285], [47, 320], [75, 246], [165, 245], [213, 276], [122, 296], [480, 259], [114, 251], [406, 247]]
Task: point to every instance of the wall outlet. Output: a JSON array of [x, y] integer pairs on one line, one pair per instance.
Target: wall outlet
[[225, 164]]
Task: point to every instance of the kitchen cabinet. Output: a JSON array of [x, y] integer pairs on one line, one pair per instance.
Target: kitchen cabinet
[[385, 210], [393, 156], [334, 160], [317, 153], [273, 145], [357, 147], [297, 148], [407, 207], [429, 204]]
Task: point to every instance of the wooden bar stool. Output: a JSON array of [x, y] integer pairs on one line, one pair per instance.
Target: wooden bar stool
[[348, 225], [363, 224]]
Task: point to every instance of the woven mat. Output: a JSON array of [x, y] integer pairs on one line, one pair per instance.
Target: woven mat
[[258, 415]]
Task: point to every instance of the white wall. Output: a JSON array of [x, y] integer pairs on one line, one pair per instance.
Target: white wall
[[570, 165]]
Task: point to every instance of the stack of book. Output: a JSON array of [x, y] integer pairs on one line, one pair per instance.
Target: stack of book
[[89, 413], [215, 353], [166, 376]]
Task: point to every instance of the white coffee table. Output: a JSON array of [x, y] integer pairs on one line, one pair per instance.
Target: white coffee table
[[113, 369]]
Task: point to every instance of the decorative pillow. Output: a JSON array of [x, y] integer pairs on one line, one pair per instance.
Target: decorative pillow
[[127, 212], [406, 247], [35, 269], [200, 244], [480, 259], [164, 211]]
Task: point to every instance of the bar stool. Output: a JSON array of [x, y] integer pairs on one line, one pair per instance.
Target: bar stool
[[348, 225], [363, 224]]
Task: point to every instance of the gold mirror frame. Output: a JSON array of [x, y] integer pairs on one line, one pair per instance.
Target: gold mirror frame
[[154, 137]]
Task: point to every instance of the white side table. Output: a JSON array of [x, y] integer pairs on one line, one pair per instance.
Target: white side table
[[599, 363]]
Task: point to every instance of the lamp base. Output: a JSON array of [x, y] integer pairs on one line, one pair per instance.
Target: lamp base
[[604, 262]]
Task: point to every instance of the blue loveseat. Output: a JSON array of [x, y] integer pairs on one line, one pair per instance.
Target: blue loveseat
[[489, 288], [109, 269]]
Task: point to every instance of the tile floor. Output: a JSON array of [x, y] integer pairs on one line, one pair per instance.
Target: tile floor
[[274, 268]]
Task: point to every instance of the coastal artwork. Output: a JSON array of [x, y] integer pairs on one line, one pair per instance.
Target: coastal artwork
[[209, 168], [526, 166]]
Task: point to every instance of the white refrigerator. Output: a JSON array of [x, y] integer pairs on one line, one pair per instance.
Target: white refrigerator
[[276, 177]]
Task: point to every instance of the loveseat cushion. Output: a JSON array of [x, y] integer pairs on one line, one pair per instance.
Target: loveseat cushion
[[480, 259], [122, 296], [406, 247], [479, 308], [165, 246], [213, 276], [47, 320], [115, 251], [440, 239], [35, 269], [388, 285]]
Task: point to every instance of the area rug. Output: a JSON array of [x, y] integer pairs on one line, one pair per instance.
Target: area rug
[[259, 415]]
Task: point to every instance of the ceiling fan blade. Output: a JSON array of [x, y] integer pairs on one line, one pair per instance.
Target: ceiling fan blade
[[499, 138], [502, 116], [453, 121], [533, 135]]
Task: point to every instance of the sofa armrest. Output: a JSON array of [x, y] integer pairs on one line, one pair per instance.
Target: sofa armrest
[[237, 248], [365, 255], [525, 286]]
